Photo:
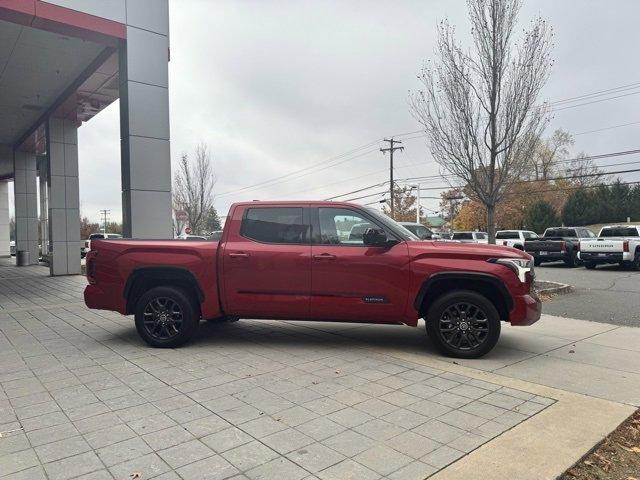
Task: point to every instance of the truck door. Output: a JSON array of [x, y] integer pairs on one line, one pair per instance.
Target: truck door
[[352, 281], [267, 262]]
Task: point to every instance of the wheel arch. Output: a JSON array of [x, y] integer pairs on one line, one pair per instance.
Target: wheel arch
[[486, 284], [145, 278]]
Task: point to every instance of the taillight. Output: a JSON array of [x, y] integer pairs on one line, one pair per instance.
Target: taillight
[[563, 247], [625, 246], [91, 267]]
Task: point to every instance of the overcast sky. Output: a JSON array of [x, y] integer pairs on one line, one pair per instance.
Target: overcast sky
[[275, 87]]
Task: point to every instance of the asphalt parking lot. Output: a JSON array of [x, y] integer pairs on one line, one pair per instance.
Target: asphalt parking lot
[[608, 294]]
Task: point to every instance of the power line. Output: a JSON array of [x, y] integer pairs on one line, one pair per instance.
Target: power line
[[323, 164]]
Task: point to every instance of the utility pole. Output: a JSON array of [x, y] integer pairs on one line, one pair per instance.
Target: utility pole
[[417, 188], [105, 213], [391, 149]]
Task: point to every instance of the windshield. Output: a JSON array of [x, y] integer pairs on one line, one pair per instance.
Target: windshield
[[392, 225], [619, 232], [507, 235], [560, 232]]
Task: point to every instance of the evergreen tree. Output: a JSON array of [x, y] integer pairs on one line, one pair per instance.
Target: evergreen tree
[[576, 211], [540, 216]]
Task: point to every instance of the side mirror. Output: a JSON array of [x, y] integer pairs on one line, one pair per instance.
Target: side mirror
[[374, 237]]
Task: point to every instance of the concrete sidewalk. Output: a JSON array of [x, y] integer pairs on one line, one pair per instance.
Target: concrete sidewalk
[[82, 397]]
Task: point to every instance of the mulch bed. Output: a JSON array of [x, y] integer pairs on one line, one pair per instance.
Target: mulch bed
[[617, 457]]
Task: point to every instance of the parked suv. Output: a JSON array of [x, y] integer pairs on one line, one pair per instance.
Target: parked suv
[[304, 261], [470, 237], [514, 238], [615, 244]]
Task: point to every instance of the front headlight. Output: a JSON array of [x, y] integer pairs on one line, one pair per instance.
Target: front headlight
[[520, 266]]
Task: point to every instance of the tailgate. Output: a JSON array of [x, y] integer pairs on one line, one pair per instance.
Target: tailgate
[[602, 245], [543, 245]]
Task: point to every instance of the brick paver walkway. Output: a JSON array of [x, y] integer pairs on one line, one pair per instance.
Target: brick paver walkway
[[82, 397]]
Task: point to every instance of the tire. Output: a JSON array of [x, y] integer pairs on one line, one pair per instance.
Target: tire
[[589, 265], [572, 261], [536, 261], [168, 305], [634, 264], [441, 315]]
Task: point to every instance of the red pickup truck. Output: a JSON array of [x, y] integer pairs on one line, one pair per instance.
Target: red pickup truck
[[315, 261]]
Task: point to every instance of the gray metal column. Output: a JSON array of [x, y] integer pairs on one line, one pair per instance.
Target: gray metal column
[[63, 197], [144, 122], [26, 204], [43, 170], [4, 219]]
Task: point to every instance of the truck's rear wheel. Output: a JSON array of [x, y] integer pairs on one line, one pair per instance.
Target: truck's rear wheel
[[166, 317], [463, 324], [589, 265], [573, 260]]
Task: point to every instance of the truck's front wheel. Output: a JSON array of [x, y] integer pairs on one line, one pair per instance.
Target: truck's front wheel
[[463, 324], [166, 317]]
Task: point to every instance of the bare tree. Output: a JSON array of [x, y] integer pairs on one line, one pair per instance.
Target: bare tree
[[582, 171], [478, 107], [548, 153], [193, 189]]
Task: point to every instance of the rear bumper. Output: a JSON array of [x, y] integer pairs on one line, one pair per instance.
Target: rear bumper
[[99, 299], [549, 256], [526, 310], [604, 257]]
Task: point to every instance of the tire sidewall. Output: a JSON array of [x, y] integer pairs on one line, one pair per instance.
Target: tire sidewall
[[437, 308], [189, 310]]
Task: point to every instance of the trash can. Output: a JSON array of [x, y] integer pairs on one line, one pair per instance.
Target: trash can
[[22, 258]]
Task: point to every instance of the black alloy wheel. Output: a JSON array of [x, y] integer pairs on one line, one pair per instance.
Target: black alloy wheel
[[463, 324], [162, 318], [166, 316]]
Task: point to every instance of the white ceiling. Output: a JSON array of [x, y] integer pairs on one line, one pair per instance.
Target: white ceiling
[[35, 69]]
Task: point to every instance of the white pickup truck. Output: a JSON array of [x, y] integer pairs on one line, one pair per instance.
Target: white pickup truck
[[615, 244]]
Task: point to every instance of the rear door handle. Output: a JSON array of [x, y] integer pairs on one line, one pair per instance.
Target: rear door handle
[[239, 255], [324, 256]]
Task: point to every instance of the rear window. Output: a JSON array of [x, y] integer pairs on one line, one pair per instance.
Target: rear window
[[507, 235], [560, 232], [462, 236], [275, 225], [481, 236], [619, 232]]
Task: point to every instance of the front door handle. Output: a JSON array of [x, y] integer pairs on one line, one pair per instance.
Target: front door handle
[[324, 256], [239, 255]]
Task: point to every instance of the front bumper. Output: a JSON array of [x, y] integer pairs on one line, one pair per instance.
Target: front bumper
[[604, 257], [526, 310]]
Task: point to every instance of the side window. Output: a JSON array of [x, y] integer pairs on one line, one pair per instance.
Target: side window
[[421, 233], [275, 225], [341, 226], [480, 236]]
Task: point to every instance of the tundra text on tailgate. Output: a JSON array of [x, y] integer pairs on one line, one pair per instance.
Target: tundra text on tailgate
[[315, 261]]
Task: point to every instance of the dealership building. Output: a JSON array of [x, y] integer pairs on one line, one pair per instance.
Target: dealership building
[[62, 62]]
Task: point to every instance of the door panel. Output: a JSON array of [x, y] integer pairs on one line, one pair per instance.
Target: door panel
[[351, 281], [264, 279]]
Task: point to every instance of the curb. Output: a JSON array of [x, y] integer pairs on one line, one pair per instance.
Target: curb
[[552, 288]]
